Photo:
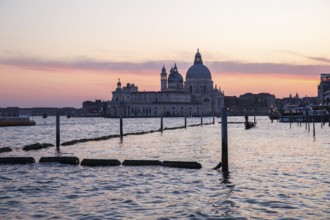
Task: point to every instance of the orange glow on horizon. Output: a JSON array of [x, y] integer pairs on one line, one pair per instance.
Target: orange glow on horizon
[[68, 87], [280, 85]]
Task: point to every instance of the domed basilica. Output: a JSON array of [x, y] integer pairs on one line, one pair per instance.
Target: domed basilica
[[194, 97]]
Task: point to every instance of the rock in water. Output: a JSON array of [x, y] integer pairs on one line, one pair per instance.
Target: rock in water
[[5, 149]]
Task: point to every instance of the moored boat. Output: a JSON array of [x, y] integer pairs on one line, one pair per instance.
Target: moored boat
[[23, 120], [274, 115], [294, 113]]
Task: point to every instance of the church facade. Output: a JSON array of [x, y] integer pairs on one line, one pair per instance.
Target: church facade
[[195, 96]]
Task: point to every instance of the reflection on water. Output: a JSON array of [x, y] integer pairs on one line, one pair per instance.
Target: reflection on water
[[275, 172]]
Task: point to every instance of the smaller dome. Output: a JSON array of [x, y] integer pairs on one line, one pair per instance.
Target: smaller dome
[[175, 76]]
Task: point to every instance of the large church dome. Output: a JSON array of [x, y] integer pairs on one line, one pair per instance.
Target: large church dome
[[198, 70]]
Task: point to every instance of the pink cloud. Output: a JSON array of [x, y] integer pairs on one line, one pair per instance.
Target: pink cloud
[[155, 66]]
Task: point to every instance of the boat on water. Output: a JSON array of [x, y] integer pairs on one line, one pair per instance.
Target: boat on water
[[274, 115], [22, 120], [249, 124], [294, 113]]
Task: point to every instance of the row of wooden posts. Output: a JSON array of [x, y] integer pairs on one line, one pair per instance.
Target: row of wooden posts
[[224, 133], [308, 121], [121, 133]]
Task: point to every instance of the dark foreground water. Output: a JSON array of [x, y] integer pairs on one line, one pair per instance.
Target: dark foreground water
[[275, 172]]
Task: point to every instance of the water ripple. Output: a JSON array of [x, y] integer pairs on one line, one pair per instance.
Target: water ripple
[[276, 173]]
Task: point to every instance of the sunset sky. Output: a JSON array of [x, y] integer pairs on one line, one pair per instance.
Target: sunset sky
[[61, 53]]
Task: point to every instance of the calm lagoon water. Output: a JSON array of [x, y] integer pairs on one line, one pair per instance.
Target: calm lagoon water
[[276, 172]]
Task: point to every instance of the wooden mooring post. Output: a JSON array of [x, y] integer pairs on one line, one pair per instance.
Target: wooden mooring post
[[57, 131], [121, 127], [271, 115], [313, 124], [161, 123], [201, 119], [213, 122], [323, 119], [308, 122], [224, 134], [306, 115], [290, 119], [185, 121]]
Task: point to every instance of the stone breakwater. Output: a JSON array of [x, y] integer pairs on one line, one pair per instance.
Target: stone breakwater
[[72, 160], [5, 149], [38, 146], [102, 138]]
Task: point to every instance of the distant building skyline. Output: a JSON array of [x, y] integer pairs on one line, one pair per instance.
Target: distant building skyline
[[193, 96]]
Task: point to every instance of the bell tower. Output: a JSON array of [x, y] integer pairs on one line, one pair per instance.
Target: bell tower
[[163, 79]]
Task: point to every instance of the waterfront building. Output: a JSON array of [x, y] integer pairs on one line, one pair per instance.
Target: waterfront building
[[327, 98], [39, 111], [323, 88], [9, 111], [232, 105], [260, 103], [94, 108], [290, 100], [195, 96]]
